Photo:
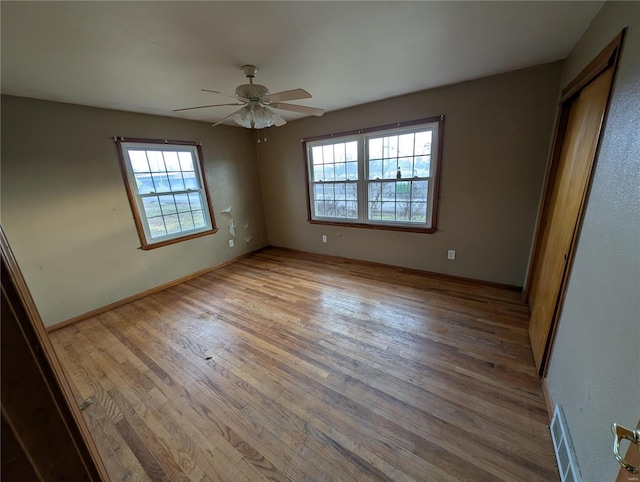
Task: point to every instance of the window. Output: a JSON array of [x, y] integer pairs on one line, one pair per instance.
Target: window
[[385, 177], [167, 190]]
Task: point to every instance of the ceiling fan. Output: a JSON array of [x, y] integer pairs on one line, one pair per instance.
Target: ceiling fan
[[258, 104]]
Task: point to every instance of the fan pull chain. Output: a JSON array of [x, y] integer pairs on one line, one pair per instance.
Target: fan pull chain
[[257, 136]]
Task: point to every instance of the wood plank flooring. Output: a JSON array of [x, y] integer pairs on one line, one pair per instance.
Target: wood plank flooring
[[290, 366]]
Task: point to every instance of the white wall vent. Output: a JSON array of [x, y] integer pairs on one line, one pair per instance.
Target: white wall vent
[[565, 456]]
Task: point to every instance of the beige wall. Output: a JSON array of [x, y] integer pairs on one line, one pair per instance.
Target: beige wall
[[67, 216], [594, 370], [496, 139]]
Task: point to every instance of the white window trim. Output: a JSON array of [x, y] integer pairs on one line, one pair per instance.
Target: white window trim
[[124, 145], [434, 124]]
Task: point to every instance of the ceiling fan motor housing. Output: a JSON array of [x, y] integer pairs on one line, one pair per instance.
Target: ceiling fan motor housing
[[251, 91]]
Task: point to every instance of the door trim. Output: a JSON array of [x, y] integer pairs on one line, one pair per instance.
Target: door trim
[[53, 379], [608, 57]]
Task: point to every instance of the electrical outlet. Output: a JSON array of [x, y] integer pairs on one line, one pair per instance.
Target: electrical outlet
[[451, 254], [324, 238], [231, 243]]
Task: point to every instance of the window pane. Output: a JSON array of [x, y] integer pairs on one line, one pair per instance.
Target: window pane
[[374, 211], [318, 173], [375, 193], [339, 190], [190, 180], [138, 161], [419, 191], [341, 172], [405, 145], [389, 191], [375, 148], [186, 161], [403, 211], [390, 146], [316, 155], [388, 211], [175, 181], [389, 169], [423, 166], [403, 192], [195, 200], [156, 227], [423, 143], [186, 221], [171, 160], [327, 154], [318, 191], [168, 205], [329, 172], [406, 167], [352, 151], [155, 161], [182, 202], [341, 209], [328, 192], [330, 209], [144, 182], [338, 152], [352, 192], [375, 169], [172, 223], [198, 219], [419, 212], [352, 210], [151, 206], [161, 183], [352, 171]]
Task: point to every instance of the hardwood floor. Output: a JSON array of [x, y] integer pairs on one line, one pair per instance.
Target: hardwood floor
[[288, 366]]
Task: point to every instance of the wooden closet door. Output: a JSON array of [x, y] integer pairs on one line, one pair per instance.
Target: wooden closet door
[[578, 150]]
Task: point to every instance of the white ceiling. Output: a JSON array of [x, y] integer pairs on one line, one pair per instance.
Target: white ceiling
[[154, 57]]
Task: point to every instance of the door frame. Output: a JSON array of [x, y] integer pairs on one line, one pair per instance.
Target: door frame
[[608, 57], [18, 416]]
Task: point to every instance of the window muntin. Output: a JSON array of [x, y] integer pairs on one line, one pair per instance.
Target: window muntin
[[167, 191], [392, 179]]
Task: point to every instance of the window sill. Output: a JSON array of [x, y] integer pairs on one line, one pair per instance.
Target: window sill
[[160, 244], [384, 227]]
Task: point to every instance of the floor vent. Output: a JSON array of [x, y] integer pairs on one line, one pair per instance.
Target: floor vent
[[567, 464]]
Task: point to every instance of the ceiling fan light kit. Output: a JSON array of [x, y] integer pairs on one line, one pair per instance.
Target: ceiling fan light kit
[[257, 117], [258, 104]]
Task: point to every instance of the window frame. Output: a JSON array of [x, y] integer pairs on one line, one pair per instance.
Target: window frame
[[123, 144], [362, 136]]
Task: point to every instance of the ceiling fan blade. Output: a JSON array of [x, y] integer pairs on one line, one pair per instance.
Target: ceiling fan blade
[[218, 92], [294, 94], [221, 121], [225, 94], [303, 109], [203, 107]]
